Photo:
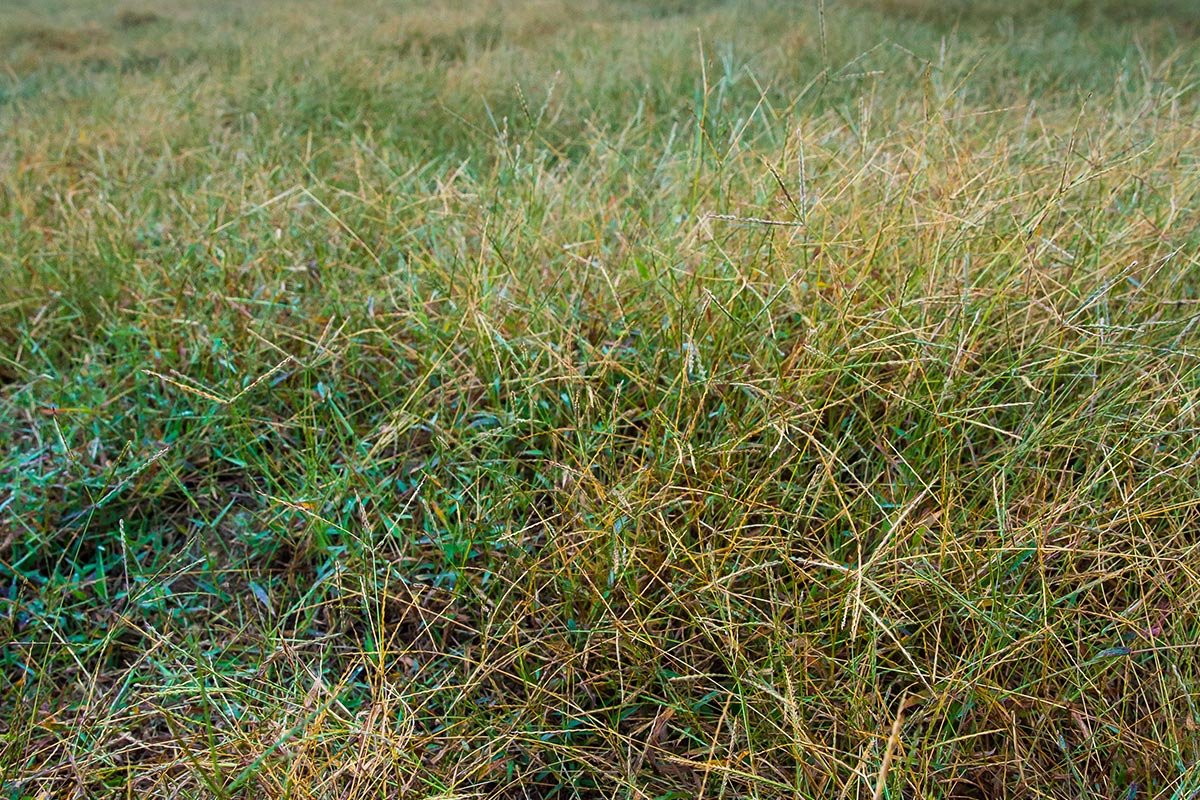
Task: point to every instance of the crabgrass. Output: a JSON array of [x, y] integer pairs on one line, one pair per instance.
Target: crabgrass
[[599, 399]]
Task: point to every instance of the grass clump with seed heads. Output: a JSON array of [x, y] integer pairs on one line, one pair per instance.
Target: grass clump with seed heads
[[600, 399]]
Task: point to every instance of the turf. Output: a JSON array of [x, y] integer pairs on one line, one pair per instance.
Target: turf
[[599, 398]]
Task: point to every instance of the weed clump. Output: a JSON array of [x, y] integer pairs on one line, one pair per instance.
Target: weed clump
[[131, 18]]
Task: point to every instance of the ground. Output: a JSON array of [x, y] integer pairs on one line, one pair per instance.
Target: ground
[[599, 398]]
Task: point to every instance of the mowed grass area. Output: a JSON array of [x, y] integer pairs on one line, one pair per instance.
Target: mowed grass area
[[602, 399]]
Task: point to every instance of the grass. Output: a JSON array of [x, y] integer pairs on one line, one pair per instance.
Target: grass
[[599, 399]]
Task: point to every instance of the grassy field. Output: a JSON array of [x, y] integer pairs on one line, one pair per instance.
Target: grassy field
[[599, 398]]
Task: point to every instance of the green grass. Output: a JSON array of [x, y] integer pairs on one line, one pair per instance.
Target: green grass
[[602, 399]]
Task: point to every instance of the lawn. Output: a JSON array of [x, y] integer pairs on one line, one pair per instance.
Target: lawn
[[599, 399]]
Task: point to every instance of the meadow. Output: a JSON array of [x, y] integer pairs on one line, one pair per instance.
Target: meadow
[[600, 399]]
